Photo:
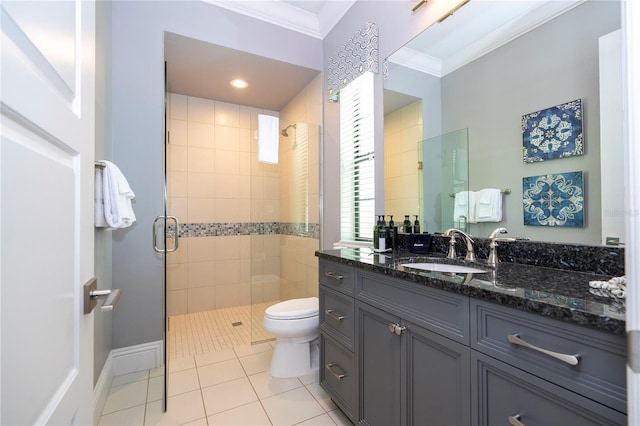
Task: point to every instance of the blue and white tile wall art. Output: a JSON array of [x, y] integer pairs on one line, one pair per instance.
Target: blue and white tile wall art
[[554, 132], [554, 200]]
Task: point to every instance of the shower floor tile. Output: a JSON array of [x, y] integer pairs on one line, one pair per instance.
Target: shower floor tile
[[210, 331]]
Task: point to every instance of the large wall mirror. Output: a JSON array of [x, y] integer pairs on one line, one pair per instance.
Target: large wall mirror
[[480, 72]]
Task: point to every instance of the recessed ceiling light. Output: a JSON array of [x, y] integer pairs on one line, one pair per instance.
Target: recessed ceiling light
[[240, 84]]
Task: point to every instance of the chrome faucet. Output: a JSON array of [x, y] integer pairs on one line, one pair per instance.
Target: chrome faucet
[[493, 252], [451, 233]]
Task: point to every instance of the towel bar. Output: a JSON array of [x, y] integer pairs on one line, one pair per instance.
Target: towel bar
[[100, 164], [503, 191]]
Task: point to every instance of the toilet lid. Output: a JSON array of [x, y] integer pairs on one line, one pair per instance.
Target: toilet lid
[[293, 309]]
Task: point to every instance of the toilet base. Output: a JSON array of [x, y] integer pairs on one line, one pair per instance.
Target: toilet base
[[294, 359]]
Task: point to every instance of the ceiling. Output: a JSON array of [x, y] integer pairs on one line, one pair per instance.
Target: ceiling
[[200, 69]]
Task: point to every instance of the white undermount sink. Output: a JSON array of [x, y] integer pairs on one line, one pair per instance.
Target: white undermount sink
[[443, 267]]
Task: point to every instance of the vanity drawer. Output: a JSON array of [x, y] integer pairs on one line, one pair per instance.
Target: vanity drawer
[[337, 276], [337, 374], [503, 394], [599, 372], [337, 314], [439, 311]]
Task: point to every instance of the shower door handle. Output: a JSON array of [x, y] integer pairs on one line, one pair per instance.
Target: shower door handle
[[176, 228], [154, 233]]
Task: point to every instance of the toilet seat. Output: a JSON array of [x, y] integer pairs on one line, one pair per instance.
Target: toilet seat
[[293, 309]]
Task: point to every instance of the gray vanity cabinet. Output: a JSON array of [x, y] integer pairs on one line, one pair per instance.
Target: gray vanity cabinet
[[395, 352], [410, 373]]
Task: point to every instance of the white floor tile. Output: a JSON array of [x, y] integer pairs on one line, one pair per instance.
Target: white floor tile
[[292, 407], [266, 386], [214, 357], [310, 378], [125, 396], [128, 417], [256, 363], [321, 396], [322, 420], [228, 395], [182, 409], [250, 415], [156, 388], [181, 364], [339, 418], [130, 378], [245, 350], [183, 381], [220, 372]]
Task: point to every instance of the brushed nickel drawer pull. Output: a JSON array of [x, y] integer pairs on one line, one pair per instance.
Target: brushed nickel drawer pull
[[333, 314], [515, 420], [333, 275], [569, 359], [338, 376]]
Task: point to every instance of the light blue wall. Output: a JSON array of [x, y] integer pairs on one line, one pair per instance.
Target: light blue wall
[[138, 132], [102, 320]]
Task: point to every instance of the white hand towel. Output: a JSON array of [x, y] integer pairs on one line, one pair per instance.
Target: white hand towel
[[489, 205], [117, 196], [268, 138], [464, 204]]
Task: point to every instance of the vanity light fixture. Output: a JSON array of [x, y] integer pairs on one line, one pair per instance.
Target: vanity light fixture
[[239, 83], [419, 5]]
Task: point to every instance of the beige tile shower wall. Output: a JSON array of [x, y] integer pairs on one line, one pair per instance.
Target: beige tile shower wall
[[402, 134], [299, 266], [213, 176]]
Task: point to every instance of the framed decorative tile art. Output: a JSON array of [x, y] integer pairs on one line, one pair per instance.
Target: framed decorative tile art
[[554, 132], [554, 200]]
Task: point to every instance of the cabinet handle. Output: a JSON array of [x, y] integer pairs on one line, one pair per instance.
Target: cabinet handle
[[338, 376], [569, 359], [397, 328], [333, 314], [515, 420], [333, 275]]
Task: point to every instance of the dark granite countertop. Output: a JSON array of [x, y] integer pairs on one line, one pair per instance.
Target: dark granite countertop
[[554, 293]]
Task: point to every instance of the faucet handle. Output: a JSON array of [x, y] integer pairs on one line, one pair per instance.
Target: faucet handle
[[452, 246]]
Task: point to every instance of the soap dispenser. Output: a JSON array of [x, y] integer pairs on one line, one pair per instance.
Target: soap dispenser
[[382, 235], [416, 225], [406, 225], [393, 233]]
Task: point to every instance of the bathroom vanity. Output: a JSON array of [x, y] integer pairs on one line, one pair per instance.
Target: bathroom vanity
[[517, 344]]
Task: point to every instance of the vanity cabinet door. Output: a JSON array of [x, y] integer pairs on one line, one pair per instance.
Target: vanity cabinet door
[[438, 378], [503, 394], [378, 353]]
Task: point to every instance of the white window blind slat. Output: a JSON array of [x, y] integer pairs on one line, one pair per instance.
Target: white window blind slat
[[357, 179]]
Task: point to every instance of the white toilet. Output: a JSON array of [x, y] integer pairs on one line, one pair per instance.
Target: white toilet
[[296, 327]]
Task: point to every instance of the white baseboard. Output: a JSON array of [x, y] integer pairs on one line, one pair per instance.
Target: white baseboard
[[124, 361], [137, 358]]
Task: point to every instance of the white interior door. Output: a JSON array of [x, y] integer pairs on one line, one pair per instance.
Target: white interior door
[[46, 211]]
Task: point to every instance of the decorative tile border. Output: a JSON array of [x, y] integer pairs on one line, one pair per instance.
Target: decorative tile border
[[189, 230]]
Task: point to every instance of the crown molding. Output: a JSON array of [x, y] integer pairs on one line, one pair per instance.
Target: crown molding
[[287, 16]]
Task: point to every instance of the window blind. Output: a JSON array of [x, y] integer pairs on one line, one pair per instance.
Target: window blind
[[357, 185]]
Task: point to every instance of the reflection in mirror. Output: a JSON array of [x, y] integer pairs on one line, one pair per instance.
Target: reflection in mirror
[[545, 54], [445, 179]]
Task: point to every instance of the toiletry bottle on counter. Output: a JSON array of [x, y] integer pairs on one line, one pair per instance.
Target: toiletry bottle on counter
[[406, 225], [393, 230], [376, 232], [416, 225], [382, 236]]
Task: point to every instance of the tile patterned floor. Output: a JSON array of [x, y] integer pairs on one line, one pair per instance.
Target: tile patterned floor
[[203, 332], [217, 377]]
